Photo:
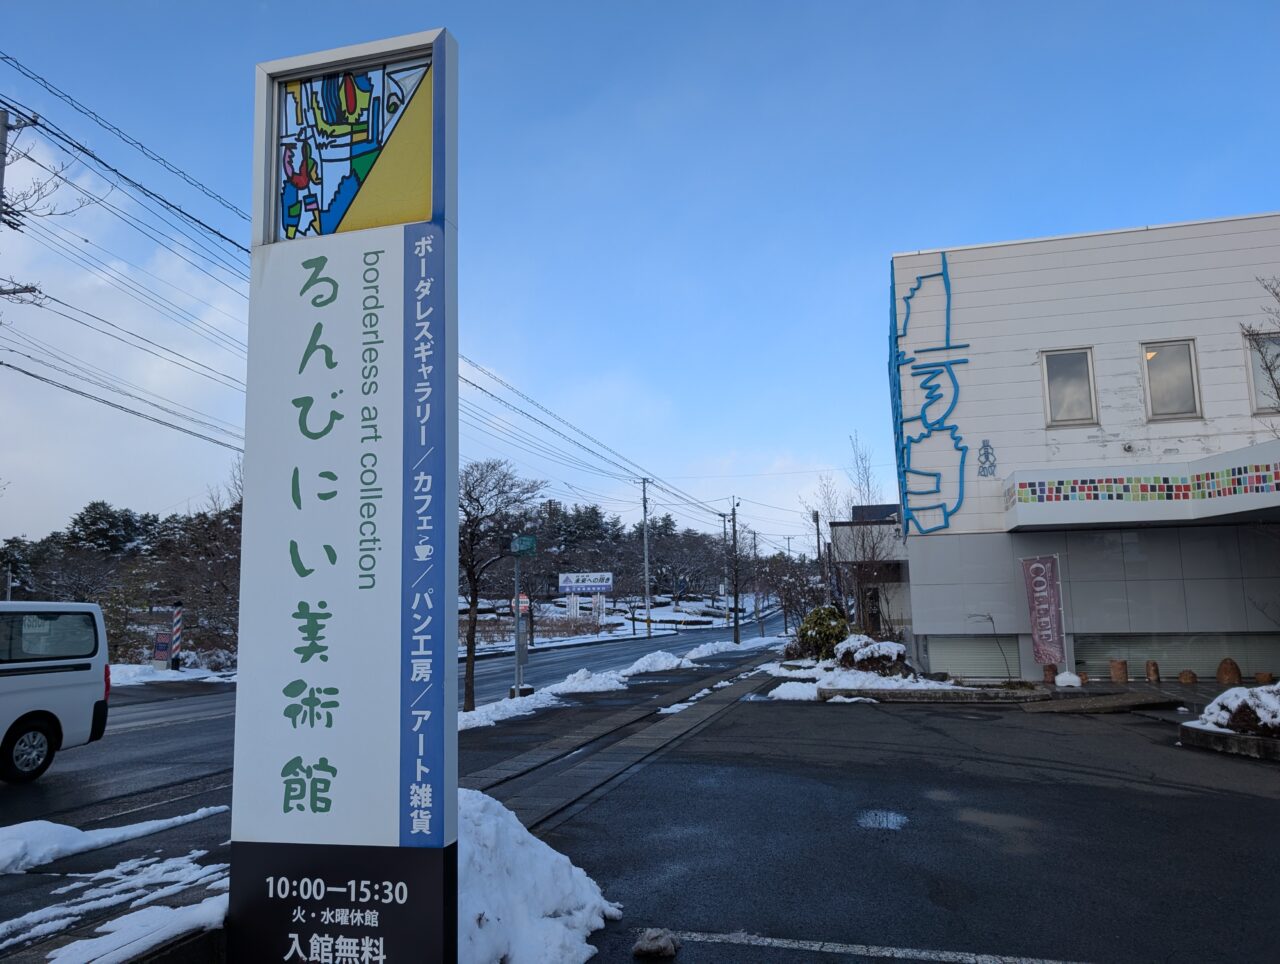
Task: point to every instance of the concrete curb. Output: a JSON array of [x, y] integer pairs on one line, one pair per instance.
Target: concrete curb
[[937, 695], [1238, 744]]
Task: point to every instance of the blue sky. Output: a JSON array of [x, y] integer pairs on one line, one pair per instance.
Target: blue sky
[[676, 218]]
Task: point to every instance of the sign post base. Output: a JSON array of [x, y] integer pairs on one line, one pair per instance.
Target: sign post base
[[285, 892], [524, 689]]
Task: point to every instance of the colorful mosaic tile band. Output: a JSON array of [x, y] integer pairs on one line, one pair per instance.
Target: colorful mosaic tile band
[[1240, 480]]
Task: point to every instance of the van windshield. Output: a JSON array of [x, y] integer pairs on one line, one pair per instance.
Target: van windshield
[[32, 636]]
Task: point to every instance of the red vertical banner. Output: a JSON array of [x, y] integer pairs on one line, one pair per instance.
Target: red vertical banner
[[1044, 600]]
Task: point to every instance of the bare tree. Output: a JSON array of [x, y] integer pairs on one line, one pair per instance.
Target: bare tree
[[1264, 346], [34, 198], [874, 545], [490, 496]]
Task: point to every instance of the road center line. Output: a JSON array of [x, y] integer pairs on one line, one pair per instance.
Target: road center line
[[861, 950]]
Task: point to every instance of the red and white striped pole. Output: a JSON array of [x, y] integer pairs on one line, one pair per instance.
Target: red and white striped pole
[[176, 644]]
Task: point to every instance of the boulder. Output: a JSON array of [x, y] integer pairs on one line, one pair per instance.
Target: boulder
[[1263, 678], [1153, 671], [1188, 678], [1119, 671], [1050, 673], [1228, 672]]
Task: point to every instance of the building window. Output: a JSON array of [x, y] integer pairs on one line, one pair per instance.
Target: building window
[[1171, 379], [1264, 369], [1068, 380]]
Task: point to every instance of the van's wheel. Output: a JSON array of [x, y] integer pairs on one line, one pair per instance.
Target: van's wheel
[[26, 752]]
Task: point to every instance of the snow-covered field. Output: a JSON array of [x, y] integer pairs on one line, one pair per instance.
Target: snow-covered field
[[519, 900]]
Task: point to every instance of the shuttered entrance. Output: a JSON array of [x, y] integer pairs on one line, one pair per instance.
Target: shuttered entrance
[[1198, 652], [974, 657]]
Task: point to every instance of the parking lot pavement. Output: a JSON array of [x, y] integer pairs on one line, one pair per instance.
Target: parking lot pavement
[[947, 830]]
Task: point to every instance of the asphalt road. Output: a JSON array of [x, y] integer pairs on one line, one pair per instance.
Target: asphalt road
[[925, 831], [495, 675]]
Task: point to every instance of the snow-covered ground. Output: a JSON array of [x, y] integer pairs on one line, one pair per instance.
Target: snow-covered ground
[[132, 674], [519, 900]]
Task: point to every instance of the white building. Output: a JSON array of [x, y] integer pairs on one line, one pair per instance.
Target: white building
[[1091, 398]]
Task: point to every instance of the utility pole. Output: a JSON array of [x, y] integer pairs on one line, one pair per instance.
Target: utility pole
[[4, 154], [737, 632], [755, 579], [724, 548], [644, 508], [788, 538], [817, 532], [5, 127], [8, 583]]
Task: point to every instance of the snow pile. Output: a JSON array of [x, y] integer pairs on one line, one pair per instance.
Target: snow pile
[[126, 937], [1066, 679], [519, 901], [1247, 702], [725, 646], [856, 679], [852, 699], [855, 642], [131, 674], [829, 677], [806, 669], [863, 647], [496, 712], [585, 681], [793, 690], [37, 842], [680, 707], [659, 662]]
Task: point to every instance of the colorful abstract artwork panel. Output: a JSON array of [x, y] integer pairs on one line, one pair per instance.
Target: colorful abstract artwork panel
[[354, 149]]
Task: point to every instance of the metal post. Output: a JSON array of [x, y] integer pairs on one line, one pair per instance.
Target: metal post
[[737, 631], [516, 607], [644, 503], [8, 583]]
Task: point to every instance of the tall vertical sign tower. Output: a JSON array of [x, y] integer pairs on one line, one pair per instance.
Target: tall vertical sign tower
[[344, 824]]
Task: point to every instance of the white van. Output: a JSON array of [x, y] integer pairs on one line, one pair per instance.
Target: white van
[[55, 680]]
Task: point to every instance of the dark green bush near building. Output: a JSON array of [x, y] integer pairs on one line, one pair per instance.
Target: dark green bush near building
[[819, 634]]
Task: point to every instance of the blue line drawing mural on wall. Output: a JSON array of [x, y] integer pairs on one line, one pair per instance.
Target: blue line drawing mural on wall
[[930, 450]]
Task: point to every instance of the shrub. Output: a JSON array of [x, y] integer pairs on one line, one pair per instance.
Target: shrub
[[819, 634]]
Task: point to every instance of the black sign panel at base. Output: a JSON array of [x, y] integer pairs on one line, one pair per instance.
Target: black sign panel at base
[[320, 902]]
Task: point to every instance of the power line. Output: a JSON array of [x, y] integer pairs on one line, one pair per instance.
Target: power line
[[28, 340], [118, 407], [119, 391], [139, 293], [60, 135], [131, 141], [212, 374]]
